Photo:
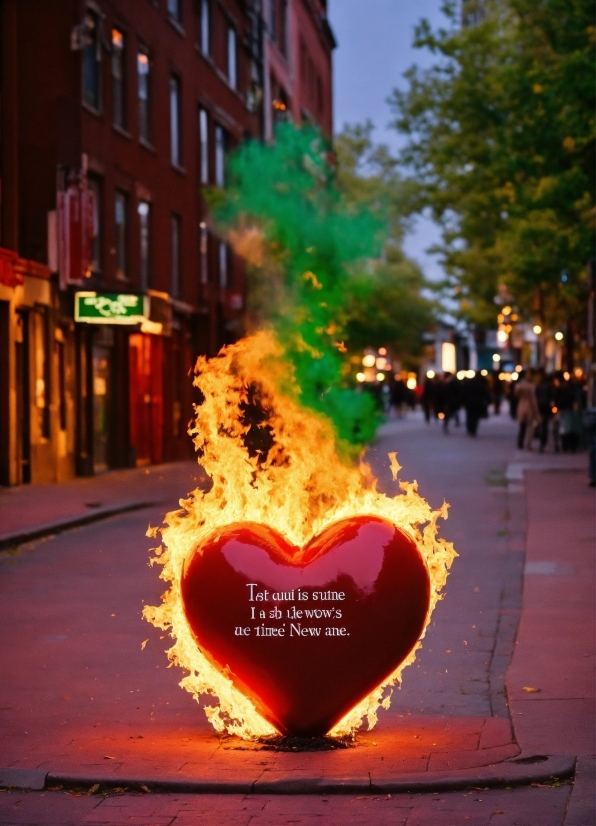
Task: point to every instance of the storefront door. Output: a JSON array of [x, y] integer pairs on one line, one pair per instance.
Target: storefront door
[[101, 401], [146, 398]]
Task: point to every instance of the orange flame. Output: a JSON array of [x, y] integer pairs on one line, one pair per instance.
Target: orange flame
[[298, 488]]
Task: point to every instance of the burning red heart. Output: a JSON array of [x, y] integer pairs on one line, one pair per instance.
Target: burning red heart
[[308, 635]]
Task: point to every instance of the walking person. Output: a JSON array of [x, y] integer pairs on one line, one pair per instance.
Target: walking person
[[476, 398], [544, 399], [528, 415], [452, 401]]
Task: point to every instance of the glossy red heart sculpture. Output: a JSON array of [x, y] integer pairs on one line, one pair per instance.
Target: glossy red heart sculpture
[[307, 635]]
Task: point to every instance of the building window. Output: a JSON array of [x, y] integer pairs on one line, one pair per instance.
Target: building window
[[206, 27], [144, 210], [118, 83], [121, 220], [175, 121], [283, 28], [92, 61], [223, 265], [220, 156], [94, 186], [232, 58], [204, 146], [273, 20], [204, 250], [144, 81], [176, 255], [175, 10]]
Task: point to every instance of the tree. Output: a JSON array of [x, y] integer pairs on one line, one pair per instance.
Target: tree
[[386, 305], [501, 145]]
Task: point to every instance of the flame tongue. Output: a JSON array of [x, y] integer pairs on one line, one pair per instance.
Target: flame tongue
[[280, 469]]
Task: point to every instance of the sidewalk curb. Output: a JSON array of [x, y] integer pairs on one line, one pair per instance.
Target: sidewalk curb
[[509, 773], [11, 540]]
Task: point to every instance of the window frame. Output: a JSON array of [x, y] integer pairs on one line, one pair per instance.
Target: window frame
[[223, 265], [204, 164], [88, 49], [220, 142], [205, 16], [118, 82], [144, 104], [273, 20], [203, 253], [145, 243], [121, 240], [176, 14], [175, 94], [232, 48]]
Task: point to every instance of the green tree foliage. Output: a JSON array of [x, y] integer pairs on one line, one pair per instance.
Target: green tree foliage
[[385, 302], [502, 148]]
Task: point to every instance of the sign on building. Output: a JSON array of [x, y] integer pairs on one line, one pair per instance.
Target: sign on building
[[111, 308]]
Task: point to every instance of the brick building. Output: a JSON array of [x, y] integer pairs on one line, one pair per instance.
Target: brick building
[[298, 69], [114, 115]]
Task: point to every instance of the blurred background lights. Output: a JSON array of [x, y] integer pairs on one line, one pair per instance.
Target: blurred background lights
[[380, 376], [360, 377], [537, 329], [501, 336], [382, 351], [411, 383], [430, 374], [496, 357], [515, 375], [470, 374], [368, 361], [484, 372], [559, 336]]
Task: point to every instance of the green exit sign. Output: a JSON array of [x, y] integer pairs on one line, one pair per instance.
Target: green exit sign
[[111, 308]]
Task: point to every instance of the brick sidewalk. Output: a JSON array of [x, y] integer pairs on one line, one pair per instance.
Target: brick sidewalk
[[44, 509]]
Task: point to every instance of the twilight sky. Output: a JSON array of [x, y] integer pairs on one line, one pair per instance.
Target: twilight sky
[[375, 48]]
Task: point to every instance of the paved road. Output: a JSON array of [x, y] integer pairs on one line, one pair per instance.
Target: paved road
[[73, 666]]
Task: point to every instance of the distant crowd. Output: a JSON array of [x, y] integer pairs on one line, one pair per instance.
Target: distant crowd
[[547, 406]]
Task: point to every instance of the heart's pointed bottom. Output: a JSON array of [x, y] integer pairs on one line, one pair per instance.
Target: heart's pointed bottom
[[307, 635]]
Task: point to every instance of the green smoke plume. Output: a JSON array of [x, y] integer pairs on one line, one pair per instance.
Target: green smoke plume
[[313, 243]]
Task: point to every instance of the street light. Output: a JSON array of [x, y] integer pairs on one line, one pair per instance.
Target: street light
[[559, 336], [537, 329], [496, 358]]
